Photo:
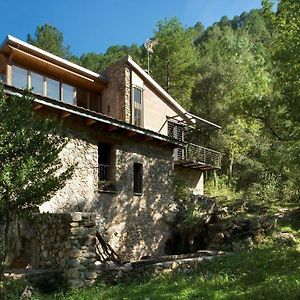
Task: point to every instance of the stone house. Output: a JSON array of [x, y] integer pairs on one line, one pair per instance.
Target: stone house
[[127, 136]]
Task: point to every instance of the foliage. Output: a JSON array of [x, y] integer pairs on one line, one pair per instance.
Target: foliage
[[243, 74], [100, 62], [189, 209], [31, 170], [174, 62], [11, 289], [49, 38]]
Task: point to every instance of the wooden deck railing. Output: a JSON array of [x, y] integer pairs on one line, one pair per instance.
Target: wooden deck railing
[[198, 154]]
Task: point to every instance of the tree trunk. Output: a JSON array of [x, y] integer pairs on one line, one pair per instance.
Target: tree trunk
[[6, 239], [215, 179], [230, 171]]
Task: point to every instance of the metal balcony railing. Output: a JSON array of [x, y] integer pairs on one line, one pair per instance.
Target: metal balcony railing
[[197, 156]]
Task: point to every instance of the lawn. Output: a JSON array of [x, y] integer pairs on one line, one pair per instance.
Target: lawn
[[262, 273]]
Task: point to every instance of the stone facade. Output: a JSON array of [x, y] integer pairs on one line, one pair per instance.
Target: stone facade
[[135, 225], [116, 98], [61, 242]]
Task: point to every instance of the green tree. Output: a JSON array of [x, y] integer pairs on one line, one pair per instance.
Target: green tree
[[30, 167], [99, 62], [284, 103], [174, 62], [49, 38]]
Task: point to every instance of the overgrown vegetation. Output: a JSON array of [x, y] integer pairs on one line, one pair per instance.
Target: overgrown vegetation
[[30, 170], [270, 271]]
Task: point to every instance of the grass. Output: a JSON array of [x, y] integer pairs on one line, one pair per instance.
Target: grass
[[268, 272]]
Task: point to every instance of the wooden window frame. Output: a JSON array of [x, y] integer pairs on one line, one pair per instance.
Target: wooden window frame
[[133, 105]]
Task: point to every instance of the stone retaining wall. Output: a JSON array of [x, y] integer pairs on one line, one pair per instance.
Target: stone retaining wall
[[62, 242]]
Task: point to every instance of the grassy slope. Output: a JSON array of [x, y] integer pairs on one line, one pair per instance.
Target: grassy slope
[[263, 273]]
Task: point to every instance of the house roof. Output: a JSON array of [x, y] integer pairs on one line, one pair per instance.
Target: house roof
[[10, 40], [96, 117], [165, 94]]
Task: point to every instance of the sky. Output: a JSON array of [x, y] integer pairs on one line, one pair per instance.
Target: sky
[[94, 25]]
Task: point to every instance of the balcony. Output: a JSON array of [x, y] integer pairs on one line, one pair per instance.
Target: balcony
[[197, 157]]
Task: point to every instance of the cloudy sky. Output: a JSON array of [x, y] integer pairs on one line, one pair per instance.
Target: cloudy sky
[[94, 25]]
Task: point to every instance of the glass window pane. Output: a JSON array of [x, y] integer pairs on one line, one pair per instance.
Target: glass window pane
[[53, 87], [137, 95], [137, 117], [37, 83], [68, 94], [19, 77]]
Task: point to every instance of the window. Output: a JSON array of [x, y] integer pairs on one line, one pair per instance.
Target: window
[[19, 77], [3, 75], [53, 88], [137, 178], [104, 160], [137, 106], [68, 94], [37, 83]]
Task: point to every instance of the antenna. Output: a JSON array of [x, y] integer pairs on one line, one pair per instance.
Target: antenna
[[149, 45]]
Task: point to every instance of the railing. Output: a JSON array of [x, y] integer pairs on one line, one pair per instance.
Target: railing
[[103, 172], [198, 154]]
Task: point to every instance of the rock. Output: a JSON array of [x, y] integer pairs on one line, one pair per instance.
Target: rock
[[75, 283], [73, 262], [285, 238], [89, 255], [73, 273], [217, 241], [248, 242], [80, 231], [206, 252], [90, 275], [76, 216]]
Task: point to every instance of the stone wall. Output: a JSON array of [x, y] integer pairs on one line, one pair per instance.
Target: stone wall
[[116, 98], [82, 187], [62, 242], [193, 178], [135, 226]]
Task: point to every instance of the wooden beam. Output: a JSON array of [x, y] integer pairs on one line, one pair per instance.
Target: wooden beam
[[89, 122], [112, 128], [162, 143], [130, 133], [64, 114], [147, 138], [37, 106]]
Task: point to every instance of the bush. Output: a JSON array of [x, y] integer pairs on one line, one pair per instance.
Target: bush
[[11, 289]]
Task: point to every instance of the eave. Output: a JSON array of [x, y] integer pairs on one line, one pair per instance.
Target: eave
[[90, 118], [23, 46]]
